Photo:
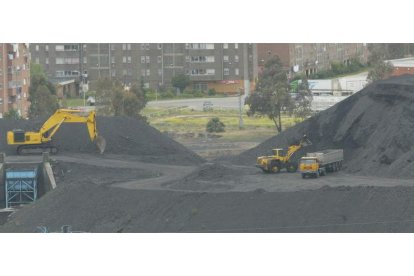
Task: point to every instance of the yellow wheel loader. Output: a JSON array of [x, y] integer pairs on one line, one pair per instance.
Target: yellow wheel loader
[[279, 161], [37, 142]]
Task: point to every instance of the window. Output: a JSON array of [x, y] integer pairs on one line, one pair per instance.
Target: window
[[147, 59], [146, 85], [187, 45], [210, 46], [226, 58], [129, 46], [124, 60], [147, 46], [236, 58], [143, 72], [59, 61], [129, 59], [142, 46], [37, 48], [113, 73], [209, 58], [60, 73], [210, 71], [159, 59], [187, 59], [148, 72], [85, 60], [226, 71], [236, 71], [124, 47], [225, 45], [47, 60], [142, 59], [236, 45], [112, 59], [46, 47], [59, 48], [71, 47], [124, 72], [159, 46], [129, 72], [113, 49], [159, 72]]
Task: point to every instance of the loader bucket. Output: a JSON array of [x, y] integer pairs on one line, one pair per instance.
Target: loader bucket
[[100, 143]]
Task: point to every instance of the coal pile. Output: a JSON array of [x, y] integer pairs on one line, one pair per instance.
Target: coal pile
[[375, 127], [97, 208], [126, 136]]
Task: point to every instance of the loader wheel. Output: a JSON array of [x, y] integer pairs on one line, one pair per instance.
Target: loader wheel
[[291, 167], [275, 167]]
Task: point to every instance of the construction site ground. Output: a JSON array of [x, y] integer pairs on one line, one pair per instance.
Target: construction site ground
[[147, 182]]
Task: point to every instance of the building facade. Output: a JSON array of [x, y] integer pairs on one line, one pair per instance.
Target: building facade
[[225, 67], [14, 78], [309, 58]]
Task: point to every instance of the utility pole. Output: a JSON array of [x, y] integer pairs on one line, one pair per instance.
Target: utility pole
[[240, 109]]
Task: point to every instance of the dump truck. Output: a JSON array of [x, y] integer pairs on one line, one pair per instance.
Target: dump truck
[[282, 159], [316, 164]]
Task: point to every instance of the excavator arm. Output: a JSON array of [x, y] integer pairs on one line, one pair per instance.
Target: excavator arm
[[52, 125]]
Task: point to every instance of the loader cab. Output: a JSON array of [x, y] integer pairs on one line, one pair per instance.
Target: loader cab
[[279, 152]]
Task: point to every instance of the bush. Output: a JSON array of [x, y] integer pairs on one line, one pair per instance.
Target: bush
[[212, 92], [215, 125], [198, 94]]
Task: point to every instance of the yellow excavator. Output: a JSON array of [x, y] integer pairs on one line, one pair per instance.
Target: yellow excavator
[[278, 161], [37, 142]]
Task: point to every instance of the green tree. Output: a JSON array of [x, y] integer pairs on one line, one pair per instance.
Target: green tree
[[215, 125], [42, 93], [380, 70], [42, 102], [113, 99], [302, 100], [12, 114], [180, 81], [272, 93]]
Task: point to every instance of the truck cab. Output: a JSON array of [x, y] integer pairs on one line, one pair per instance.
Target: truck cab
[[310, 166]]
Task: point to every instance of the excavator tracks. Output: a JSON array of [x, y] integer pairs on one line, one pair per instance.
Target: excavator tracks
[[36, 149]]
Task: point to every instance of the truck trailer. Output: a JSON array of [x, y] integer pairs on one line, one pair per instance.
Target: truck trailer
[[316, 164]]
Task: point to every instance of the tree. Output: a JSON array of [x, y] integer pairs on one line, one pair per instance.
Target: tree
[[271, 96], [42, 102], [42, 93], [12, 114], [215, 125], [303, 100], [380, 70], [180, 81], [113, 99]]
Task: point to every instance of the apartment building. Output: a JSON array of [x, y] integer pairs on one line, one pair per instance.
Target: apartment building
[[309, 58], [225, 67], [14, 78]]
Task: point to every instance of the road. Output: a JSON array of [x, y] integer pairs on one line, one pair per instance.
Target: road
[[197, 103]]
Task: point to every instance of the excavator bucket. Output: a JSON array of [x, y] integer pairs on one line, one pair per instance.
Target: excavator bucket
[[100, 143]]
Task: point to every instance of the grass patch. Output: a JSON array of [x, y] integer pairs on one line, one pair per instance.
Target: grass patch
[[185, 120]]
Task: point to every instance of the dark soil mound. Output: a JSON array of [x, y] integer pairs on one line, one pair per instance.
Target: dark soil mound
[[123, 135], [99, 208], [375, 127]]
